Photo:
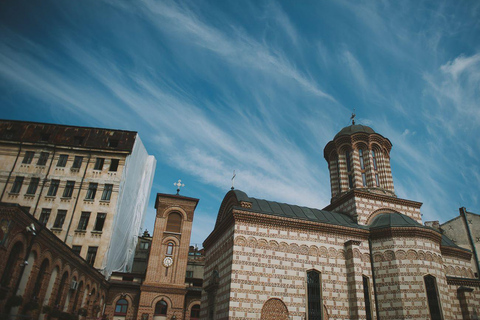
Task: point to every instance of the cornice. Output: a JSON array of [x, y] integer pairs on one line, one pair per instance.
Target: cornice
[[456, 252], [164, 288], [469, 282], [260, 218], [406, 232], [371, 196]]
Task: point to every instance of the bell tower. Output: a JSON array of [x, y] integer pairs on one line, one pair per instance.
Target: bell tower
[[163, 291], [361, 177]]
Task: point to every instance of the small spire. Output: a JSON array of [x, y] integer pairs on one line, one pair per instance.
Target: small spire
[[353, 117], [179, 184], [233, 179]]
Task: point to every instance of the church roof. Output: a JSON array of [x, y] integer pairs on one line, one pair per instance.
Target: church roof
[[354, 128], [395, 219], [296, 212]]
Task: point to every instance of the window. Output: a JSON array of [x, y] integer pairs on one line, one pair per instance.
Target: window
[[91, 255], [362, 167], [432, 297], [161, 308], [60, 219], [99, 164], [67, 193], [366, 294], [27, 159], [144, 245], [77, 162], [92, 191], [77, 249], [83, 223], [113, 165], [174, 222], [42, 160], [314, 290], [113, 143], [189, 274], [100, 221], [170, 246], [121, 307], [377, 181], [374, 160], [52, 191], [17, 185], [349, 170], [62, 160], [44, 215], [32, 187], [195, 312], [107, 192]]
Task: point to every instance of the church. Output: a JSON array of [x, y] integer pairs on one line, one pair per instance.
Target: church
[[366, 255]]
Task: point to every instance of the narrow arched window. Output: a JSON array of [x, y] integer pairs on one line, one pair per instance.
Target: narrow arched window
[[374, 160], [170, 246], [195, 312], [362, 167], [314, 295], [339, 181], [161, 308], [11, 264], [349, 169], [366, 295], [432, 297], [121, 307], [61, 288], [40, 276], [174, 222]]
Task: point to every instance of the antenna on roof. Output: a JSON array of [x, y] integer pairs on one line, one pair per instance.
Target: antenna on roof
[[353, 117], [233, 179]]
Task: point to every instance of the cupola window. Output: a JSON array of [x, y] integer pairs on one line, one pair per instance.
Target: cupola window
[[374, 160], [362, 167], [349, 170]]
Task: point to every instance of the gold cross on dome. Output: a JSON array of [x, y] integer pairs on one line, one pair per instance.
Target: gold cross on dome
[[178, 184]]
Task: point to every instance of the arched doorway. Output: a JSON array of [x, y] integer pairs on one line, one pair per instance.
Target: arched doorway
[[274, 309]]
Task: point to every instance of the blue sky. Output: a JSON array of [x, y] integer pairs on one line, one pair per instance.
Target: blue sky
[[259, 87]]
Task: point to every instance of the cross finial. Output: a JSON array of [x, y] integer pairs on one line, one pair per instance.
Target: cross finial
[[353, 117], [233, 179], [179, 184]]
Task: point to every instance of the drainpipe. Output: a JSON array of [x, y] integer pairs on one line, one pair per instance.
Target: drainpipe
[[463, 213], [44, 180], [373, 279], [11, 171], [78, 196]]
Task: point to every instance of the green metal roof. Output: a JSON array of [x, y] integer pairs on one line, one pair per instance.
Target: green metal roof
[[296, 212], [395, 219]]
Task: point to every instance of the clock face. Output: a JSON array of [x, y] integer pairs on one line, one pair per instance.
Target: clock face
[[167, 262]]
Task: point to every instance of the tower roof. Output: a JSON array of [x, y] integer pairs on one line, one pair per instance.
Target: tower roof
[[354, 128]]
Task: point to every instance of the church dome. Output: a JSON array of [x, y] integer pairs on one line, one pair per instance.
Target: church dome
[[354, 128], [389, 220]]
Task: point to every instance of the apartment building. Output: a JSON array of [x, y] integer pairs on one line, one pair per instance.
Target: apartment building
[[89, 186]]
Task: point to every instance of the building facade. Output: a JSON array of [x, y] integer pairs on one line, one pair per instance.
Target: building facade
[[169, 285], [365, 256], [89, 186], [41, 277]]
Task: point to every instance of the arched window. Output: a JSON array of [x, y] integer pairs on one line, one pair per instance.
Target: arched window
[[161, 308], [174, 223], [349, 170], [170, 246], [121, 307], [314, 292], [40, 276], [60, 288], [432, 297], [362, 167], [195, 312], [11, 264], [366, 295], [339, 181]]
